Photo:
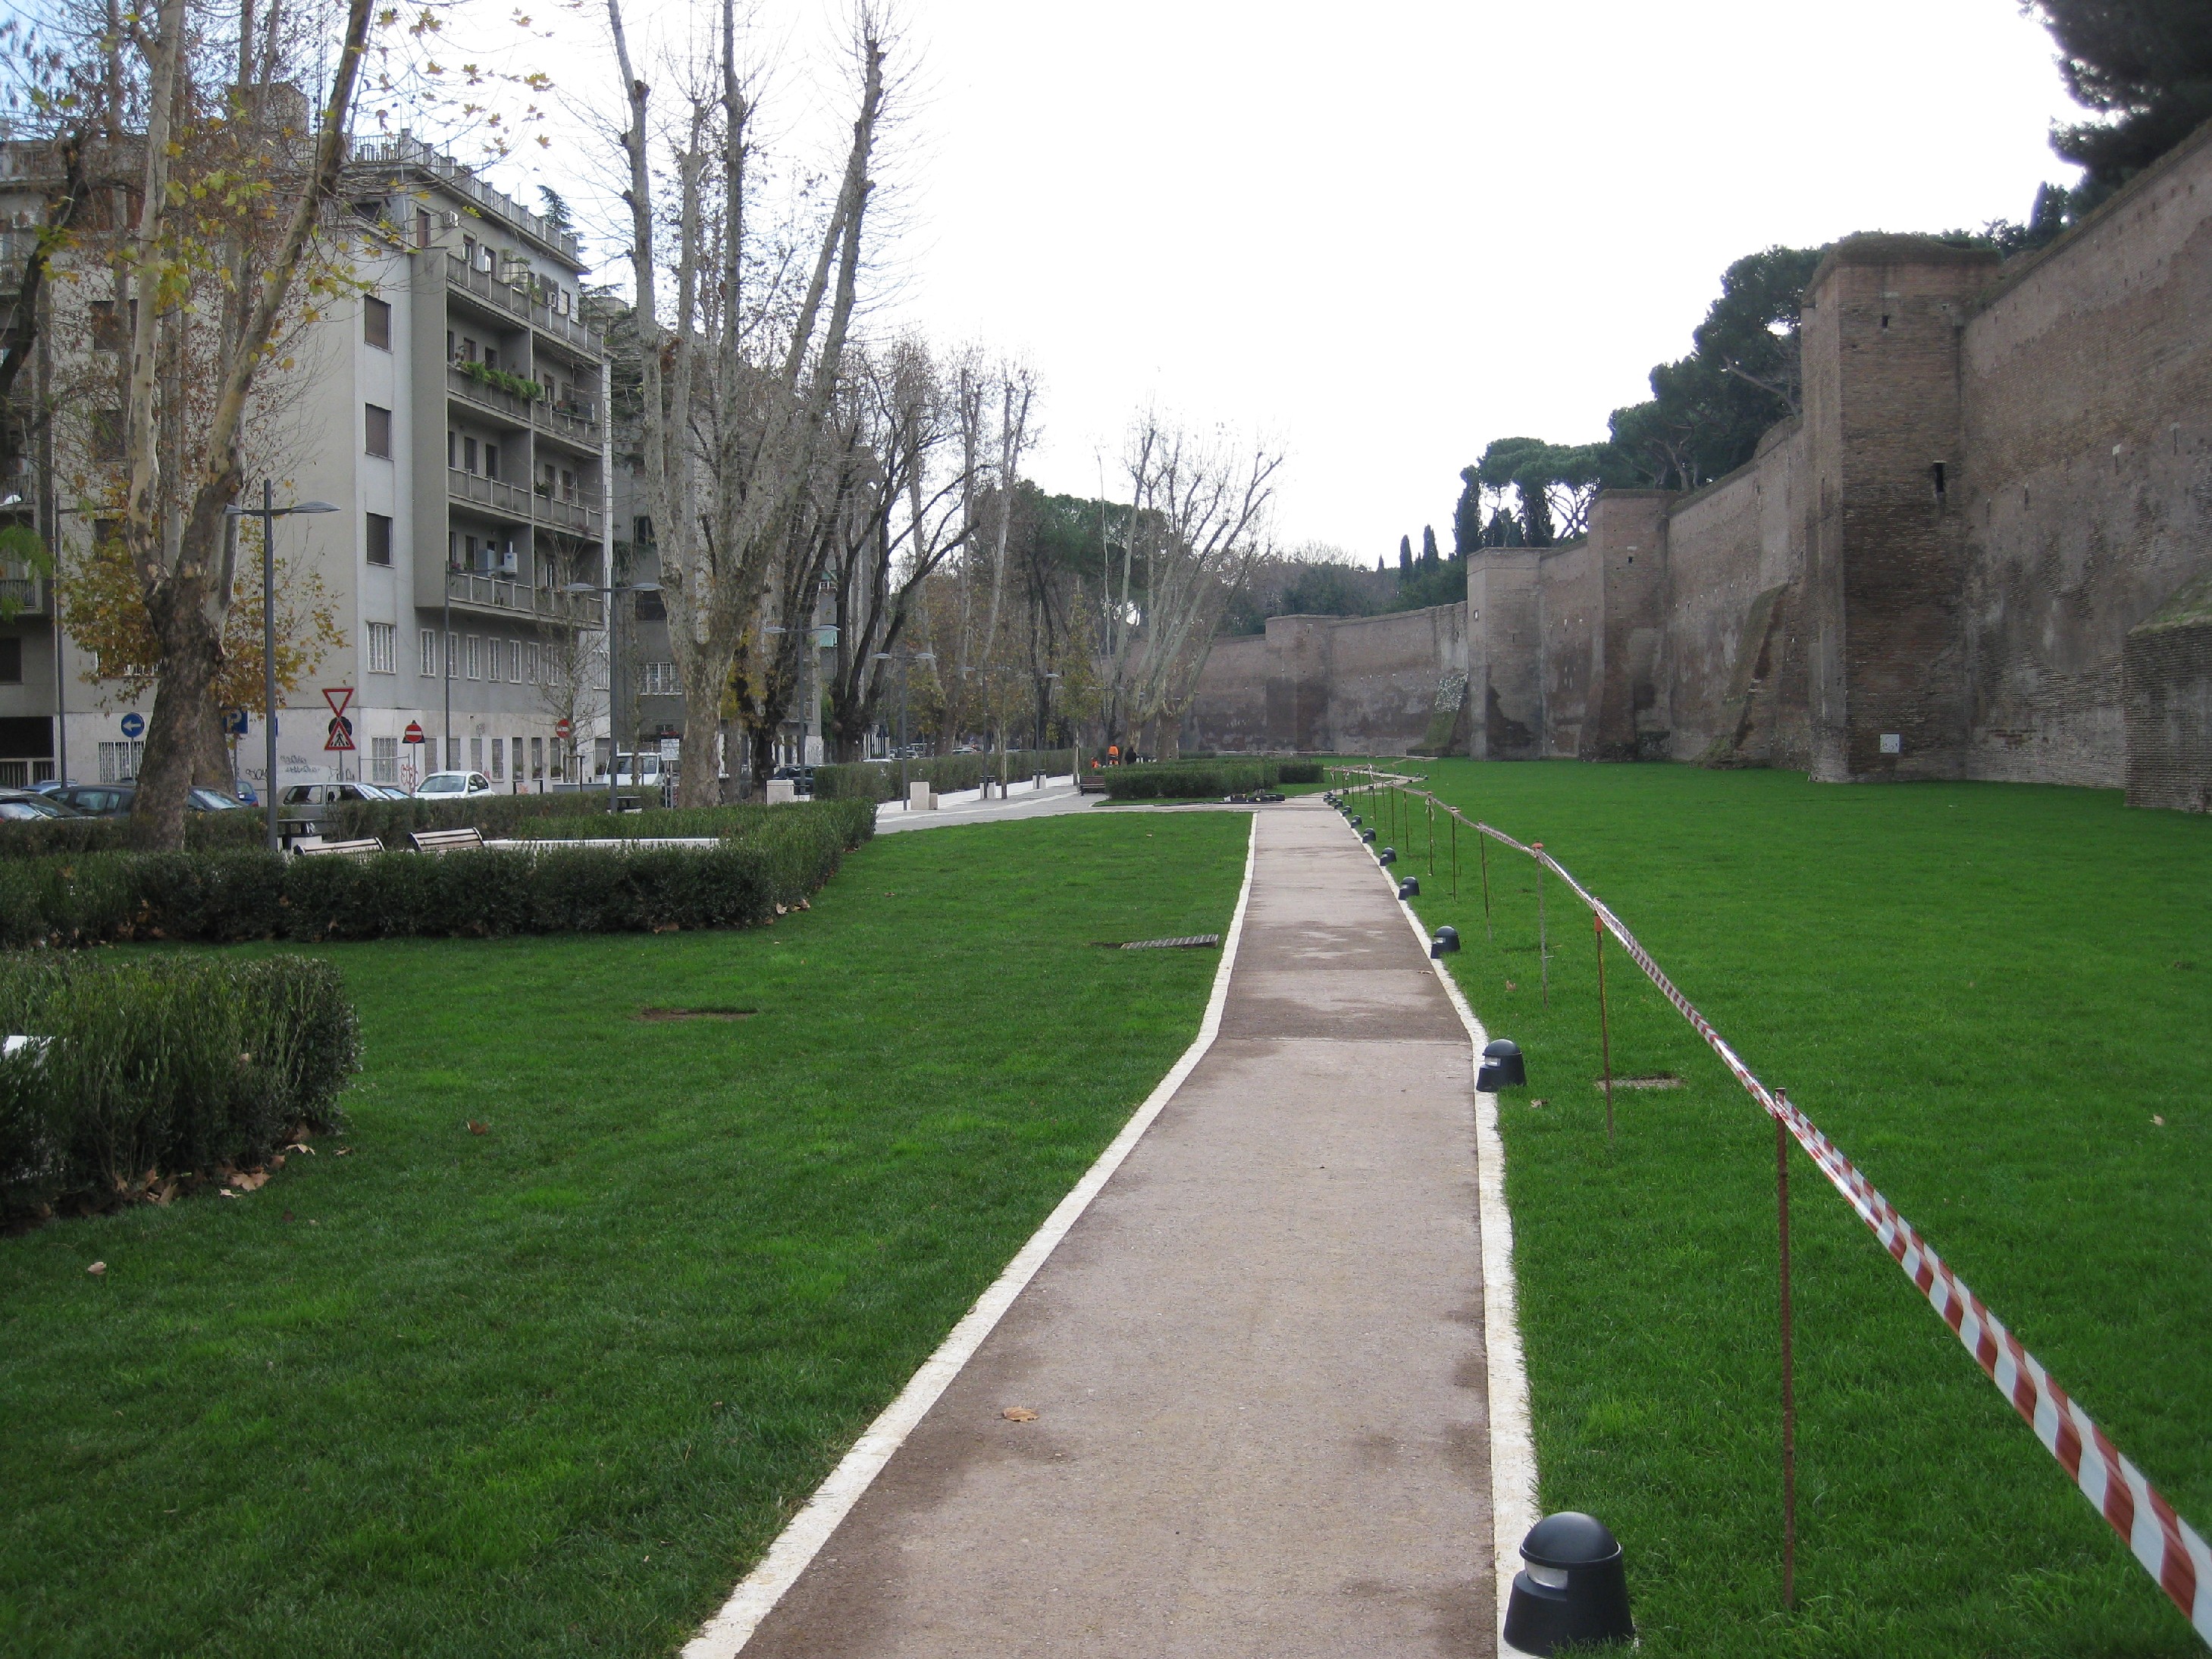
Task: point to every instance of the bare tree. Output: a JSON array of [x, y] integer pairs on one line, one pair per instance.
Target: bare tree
[[1196, 512], [739, 389], [213, 282]]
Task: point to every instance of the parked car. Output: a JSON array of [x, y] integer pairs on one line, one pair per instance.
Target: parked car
[[645, 770], [27, 806], [112, 800], [455, 786], [801, 777], [303, 809]]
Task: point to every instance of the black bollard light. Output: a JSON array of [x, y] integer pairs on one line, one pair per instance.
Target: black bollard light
[[1365, 836], [1573, 1591], [1447, 939], [1502, 1068], [1410, 888], [1387, 855], [1356, 820]]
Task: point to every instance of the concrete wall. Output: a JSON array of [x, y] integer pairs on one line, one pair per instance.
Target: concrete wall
[[1933, 572]]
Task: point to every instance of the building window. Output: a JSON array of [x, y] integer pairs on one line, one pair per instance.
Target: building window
[[11, 661], [475, 754], [491, 661], [453, 652], [118, 761], [537, 757], [498, 760], [377, 421], [660, 679], [380, 638], [530, 661], [430, 655], [468, 454], [514, 662], [107, 434], [647, 606], [379, 538], [106, 326], [452, 754], [421, 227], [491, 460], [474, 657], [376, 322], [384, 760]]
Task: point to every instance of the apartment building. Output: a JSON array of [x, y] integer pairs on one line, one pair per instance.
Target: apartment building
[[454, 414]]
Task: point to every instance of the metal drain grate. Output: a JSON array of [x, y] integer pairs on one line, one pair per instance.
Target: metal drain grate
[[1192, 942]]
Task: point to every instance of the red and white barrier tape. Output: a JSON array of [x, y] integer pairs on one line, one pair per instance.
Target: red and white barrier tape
[[2169, 1547]]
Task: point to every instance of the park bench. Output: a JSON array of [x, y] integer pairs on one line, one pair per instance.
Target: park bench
[[447, 841], [1091, 783], [313, 846]]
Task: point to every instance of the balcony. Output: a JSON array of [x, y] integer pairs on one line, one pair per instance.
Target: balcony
[[505, 405], [499, 496], [566, 515], [22, 596], [546, 319], [579, 427], [15, 248], [517, 598]]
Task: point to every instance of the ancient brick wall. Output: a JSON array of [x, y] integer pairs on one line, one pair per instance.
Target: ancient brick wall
[[1571, 613], [1385, 674], [1230, 711], [1961, 560], [2086, 379]]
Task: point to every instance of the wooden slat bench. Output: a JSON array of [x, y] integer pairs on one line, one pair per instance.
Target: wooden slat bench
[[447, 841], [313, 846]]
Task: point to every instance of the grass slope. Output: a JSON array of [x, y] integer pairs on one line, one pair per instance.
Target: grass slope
[[1986, 994], [552, 1389]]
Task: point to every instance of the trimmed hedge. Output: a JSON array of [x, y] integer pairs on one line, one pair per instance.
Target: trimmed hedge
[[49, 837], [1189, 779], [168, 1064], [780, 856], [877, 781]]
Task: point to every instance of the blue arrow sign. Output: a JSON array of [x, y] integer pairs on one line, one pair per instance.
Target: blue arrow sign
[[134, 725]]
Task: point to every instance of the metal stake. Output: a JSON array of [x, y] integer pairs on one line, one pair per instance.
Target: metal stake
[[1482, 847], [1604, 1028], [1789, 1376], [1543, 950], [269, 646], [1433, 839]]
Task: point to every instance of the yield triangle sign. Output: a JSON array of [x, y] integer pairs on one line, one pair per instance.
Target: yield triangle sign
[[337, 697]]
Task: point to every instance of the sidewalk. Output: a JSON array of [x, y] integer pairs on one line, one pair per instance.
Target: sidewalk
[[967, 806], [1256, 1360]]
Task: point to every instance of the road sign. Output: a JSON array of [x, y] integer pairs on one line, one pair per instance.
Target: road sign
[[341, 734], [134, 726], [339, 696], [413, 732], [562, 727], [233, 722]]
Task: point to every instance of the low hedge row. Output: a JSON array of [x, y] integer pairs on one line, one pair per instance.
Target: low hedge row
[[1189, 779], [47, 837], [221, 898], [877, 781], [168, 1064]]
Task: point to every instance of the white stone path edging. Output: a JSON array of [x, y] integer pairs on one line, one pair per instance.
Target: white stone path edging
[[1512, 1444], [795, 1547]]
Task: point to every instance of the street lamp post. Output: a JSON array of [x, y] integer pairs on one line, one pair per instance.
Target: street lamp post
[[906, 662], [614, 681], [269, 513]]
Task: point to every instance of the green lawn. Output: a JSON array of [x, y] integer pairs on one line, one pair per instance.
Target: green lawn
[[1988, 995], [553, 1388]]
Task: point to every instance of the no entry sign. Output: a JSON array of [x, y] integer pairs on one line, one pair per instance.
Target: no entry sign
[[413, 732], [563, 727]]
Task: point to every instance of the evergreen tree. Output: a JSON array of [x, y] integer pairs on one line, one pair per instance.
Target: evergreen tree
[[1467, 513], [2144, 66], [1405, 557], [1429, 558]]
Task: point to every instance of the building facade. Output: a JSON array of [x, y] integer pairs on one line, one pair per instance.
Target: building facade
[[453, 413]]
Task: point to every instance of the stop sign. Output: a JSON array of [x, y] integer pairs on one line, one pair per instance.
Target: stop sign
[[413, 732], [562, 726]]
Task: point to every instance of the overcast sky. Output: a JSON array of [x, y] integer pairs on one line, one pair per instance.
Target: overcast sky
[[1380, 237]]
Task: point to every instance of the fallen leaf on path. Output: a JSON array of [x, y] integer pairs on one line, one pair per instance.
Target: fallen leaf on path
[[342, 1151], [98, 1270], [2156, 1119], [1018, 1415], [1510, 985], [251, 1184]]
